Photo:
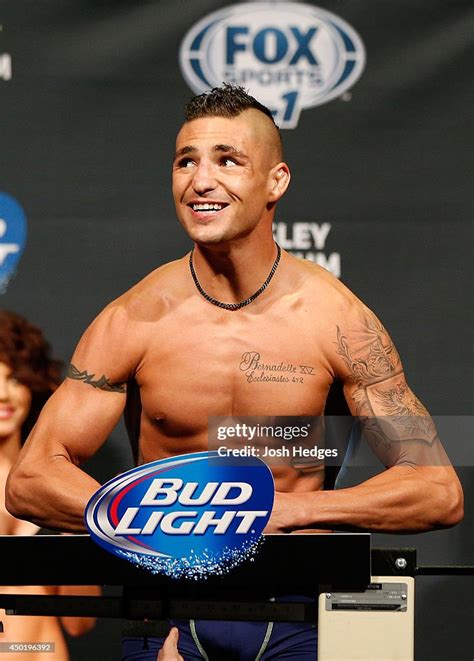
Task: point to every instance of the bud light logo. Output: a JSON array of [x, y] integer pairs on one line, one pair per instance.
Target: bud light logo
[[12, 238], [187, 516], [289, 55]]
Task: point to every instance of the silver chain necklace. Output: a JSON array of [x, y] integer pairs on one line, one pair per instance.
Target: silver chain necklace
[[242, 304]]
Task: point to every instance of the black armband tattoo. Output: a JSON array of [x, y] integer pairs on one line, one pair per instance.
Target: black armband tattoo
[[103, 383]]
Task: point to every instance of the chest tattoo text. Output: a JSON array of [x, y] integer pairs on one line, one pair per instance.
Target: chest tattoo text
[[257, 370]]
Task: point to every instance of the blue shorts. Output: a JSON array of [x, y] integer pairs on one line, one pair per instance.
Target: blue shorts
[[232, 641]]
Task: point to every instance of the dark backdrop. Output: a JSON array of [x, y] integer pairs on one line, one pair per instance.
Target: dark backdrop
[[87, 125]]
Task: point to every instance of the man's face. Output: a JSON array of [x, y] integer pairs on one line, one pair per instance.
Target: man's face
[[224, 176]]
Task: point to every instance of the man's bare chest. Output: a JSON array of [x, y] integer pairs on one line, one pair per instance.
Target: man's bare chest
[[192, 372]]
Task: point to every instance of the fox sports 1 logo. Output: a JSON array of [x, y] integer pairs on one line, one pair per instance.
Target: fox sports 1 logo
[[289, 55], [188, 516]]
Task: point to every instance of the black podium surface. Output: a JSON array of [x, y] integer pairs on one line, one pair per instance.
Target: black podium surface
[[273, 586], [284, 564]]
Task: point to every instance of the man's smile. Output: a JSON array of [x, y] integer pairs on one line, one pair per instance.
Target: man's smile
[[206, 209]]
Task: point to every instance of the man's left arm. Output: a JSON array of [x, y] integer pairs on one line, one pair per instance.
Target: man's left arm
[[420, 490]]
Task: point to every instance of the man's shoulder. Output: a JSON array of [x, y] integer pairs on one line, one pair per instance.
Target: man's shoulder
[[152, 296], [323, 290], [124, 327]]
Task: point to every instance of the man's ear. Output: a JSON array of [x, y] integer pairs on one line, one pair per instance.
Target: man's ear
[[279, 181]]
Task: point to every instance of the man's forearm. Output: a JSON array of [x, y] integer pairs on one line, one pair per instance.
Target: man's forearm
[[402, 499], [53, 495]]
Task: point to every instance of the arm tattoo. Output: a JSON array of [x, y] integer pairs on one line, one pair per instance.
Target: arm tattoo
[[371, 358], [398, 400], [103, 383], [409, 419], [376, 371]]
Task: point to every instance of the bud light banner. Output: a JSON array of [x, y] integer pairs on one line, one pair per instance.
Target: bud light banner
[[188, 516]]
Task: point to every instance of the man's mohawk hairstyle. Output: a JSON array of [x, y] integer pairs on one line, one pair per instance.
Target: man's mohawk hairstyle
[[224, 101]]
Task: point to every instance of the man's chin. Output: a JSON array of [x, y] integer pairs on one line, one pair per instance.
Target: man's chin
[[209, 239]]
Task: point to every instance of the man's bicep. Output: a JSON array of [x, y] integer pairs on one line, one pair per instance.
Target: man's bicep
[[365, 356], [397, 426], [393, 420], [75, 422], [108, 352], [80, 415]]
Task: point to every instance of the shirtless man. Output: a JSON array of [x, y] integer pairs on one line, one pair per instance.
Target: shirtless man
[[172, 340]]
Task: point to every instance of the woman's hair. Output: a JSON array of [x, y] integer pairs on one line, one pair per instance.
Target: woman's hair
[[24, 349]]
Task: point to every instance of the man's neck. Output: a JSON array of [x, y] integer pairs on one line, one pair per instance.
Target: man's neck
[[232, 273]]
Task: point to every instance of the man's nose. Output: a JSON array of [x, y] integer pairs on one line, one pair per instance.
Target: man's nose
[[204, 178]]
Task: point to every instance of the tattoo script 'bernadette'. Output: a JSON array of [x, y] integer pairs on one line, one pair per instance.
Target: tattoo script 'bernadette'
[[103, 383], [258, 370]]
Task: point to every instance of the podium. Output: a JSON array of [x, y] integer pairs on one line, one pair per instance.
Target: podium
[[363, 599]]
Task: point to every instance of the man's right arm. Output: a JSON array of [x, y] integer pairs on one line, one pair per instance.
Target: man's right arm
[[46, 485]]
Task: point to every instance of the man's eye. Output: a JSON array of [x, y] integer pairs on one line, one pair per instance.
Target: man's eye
[[186, 163], [229, 162]]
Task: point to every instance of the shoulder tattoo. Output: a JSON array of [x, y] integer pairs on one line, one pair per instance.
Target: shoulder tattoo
[[103, 383], [372, 355], [375, 370], [370, 358]]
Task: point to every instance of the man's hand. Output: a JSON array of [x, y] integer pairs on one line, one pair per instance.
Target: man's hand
[[169, 651], [286, 513]]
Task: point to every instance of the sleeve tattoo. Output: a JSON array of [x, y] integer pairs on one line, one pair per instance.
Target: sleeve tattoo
[[388, 410], [103, 383], [370, 357]]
